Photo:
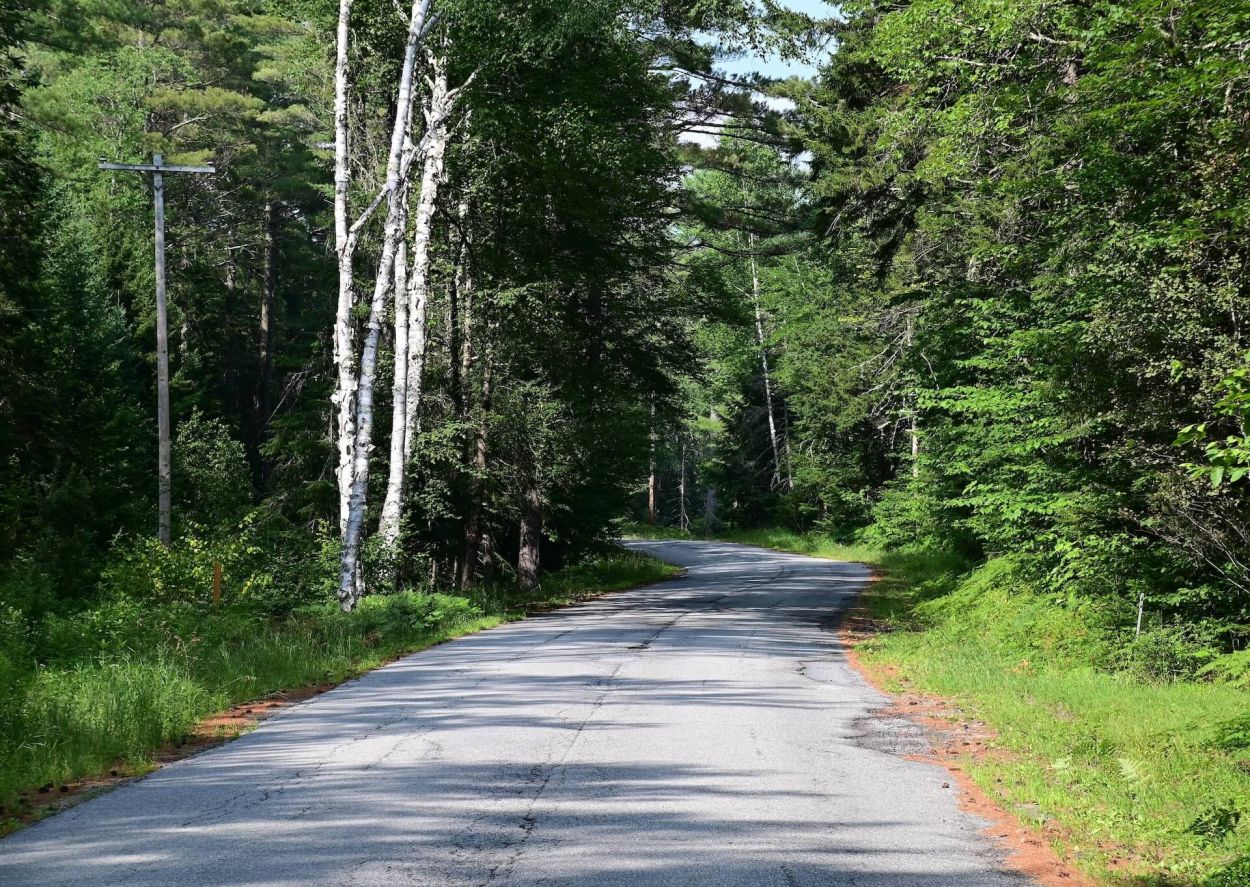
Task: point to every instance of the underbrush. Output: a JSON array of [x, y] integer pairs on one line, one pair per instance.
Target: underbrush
[[1133, 746], [1150, 779], [106, 686], [658, 532], [921, 573]]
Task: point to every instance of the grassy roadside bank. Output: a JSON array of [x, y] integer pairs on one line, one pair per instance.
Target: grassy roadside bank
[[127, 679], [1147, 781]]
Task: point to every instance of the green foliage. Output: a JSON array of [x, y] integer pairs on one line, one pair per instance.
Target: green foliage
[[106, 686], [1228, 458], [212, 478], [1170, 653], [1011, 273], [1135, 765], [1150, 772], [1233, 668], [1232, 735], [971, 309], [88, 717], [1231, 875], [1215, 823]]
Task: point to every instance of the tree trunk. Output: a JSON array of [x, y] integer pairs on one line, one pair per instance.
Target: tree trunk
[[768, 383], [344, 338], [418, 291], [710, 521], [683, 521], [464, 286], [785, 444], [453, 340], [389, 522], [349, 569], [350, 588], [476, 545], [913, 431], [233, 374], [264, 385], [164, 458], [531, 538], [651, 479], [411, 307]]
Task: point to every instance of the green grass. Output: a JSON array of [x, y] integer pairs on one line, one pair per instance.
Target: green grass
[[897, 569], [115, 707], [1153, 774], [637, 530], [803, 543]]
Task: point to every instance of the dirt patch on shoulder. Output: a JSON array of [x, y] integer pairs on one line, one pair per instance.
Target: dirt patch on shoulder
[[935, 730]]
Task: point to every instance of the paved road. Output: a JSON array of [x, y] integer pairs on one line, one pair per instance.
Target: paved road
[[705, 731]]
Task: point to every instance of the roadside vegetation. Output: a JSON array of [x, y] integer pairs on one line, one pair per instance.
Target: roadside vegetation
[[469, 283], [419, 314], [988, 334], [104, 688], [1138, 748]]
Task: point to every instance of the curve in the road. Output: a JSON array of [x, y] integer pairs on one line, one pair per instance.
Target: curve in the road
[[704, 731]]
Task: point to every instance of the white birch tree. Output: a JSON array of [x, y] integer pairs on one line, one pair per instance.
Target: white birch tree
[[344, 247], [762, 341], [411, 306], [396, 170]]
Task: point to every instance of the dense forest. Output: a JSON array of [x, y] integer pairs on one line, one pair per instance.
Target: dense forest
[[474, 285], [997, 308]]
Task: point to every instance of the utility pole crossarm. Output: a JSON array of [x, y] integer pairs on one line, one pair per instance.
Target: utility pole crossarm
[[154, 167]]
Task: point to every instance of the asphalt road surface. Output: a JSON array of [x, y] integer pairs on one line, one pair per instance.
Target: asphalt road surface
[[704, 731]]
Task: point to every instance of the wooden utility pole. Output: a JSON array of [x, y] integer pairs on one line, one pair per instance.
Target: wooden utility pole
[[158, 168]]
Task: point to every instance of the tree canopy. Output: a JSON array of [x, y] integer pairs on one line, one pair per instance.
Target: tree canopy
[[977, 284]]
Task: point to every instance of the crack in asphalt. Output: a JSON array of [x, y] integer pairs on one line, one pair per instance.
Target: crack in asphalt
[[706, 731]]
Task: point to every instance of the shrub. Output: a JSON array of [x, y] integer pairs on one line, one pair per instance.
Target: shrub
[[409, 611], [1232, 735], [1235, 874], [1233, 668], [212, 483], [1169, 653], [911, 515]]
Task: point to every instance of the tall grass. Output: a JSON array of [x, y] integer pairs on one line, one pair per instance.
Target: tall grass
[[1157, 773], [1149, 781], [112, 703]]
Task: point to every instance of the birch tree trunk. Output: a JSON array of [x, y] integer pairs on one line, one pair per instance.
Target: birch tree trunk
[[412, 305], [418, 292], [768, 382], [529, 554], [389, 522], [349, 569], [344, 338]]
